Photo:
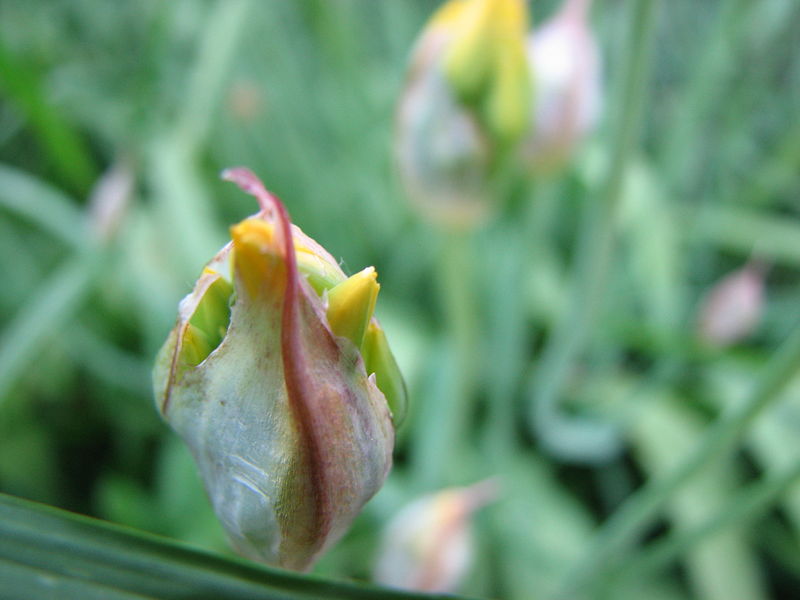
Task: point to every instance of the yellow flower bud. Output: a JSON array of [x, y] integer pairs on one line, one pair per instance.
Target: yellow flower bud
[[486, 66], [264, 377], [466, 101]]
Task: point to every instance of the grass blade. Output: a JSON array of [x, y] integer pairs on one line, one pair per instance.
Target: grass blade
[[63, 146], [56, 299], [640, 509], [744, 506], [49, 550], [42, 204]]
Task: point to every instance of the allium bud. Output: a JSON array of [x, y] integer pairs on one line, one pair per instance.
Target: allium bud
[[429, 545], [733, 307], [282, 384], [465, 101], [110, 199], [566, 71]]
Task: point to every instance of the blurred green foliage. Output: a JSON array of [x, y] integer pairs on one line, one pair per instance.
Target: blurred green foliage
[[303, 93]]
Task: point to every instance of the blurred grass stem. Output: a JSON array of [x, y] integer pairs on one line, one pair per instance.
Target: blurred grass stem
[[454, 408], [748, 504], [583, 439], [642, 508], [702, 94]]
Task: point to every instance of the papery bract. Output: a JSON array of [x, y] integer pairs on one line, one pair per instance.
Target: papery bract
[[282, 414]]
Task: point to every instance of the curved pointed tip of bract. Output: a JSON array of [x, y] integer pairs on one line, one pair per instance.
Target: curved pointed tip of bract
[[250, 183], [244, 178]]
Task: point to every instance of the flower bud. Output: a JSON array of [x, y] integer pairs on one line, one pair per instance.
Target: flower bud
[[110, 199], [271, 378], [733, 307], [429, 545], [485, 64], [566, 71], [465, 101]]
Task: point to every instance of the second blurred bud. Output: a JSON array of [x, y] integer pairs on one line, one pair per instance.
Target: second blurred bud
[[565, 64], [482, 93], [429, 545]]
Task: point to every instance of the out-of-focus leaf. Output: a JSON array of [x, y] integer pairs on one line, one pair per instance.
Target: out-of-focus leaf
[[722, 566], [42, 204], [52, 305], [744, 230], [62, 145], [775, 439], [49, 553]]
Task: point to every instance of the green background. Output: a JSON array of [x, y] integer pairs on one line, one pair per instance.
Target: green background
[[304, 94]]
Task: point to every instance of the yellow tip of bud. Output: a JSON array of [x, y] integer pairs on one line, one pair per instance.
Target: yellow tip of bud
[[255, 255], [351, 304], [481, 29], [509, 99]]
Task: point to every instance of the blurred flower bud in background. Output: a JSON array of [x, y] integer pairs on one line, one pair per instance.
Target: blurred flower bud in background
[[245, 100], [465, 102], [110, 199], [429, 545], [282, 384], [732, 309], [566, 71]]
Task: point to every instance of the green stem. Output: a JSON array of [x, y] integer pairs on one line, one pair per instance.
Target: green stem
[[581, 439], [505, 337], [638, 512], [459, 303], [446, 422], [746, 505], [514, 248]]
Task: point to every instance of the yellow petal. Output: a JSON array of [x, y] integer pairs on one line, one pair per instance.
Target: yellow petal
[[351, 304], [256, 260]]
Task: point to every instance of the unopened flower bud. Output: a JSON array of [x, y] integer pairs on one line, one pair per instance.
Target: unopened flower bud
[[110, 199], [485, 63], [272, 379], [429, 545], [566, 71], [245, 101], [466, 100], [733, 307]]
